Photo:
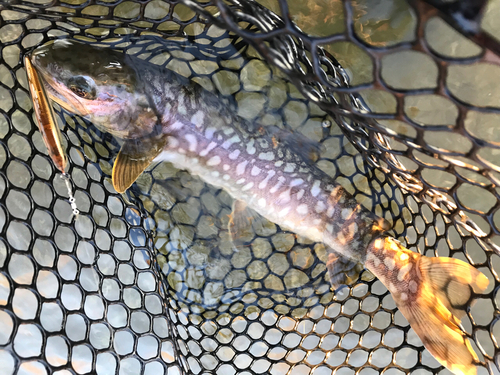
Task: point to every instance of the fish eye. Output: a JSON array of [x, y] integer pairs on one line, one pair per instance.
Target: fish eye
[[82, 86]]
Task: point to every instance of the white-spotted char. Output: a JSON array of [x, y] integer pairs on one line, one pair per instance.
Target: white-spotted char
[[166, 118]]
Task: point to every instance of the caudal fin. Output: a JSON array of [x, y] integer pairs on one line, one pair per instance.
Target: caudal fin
[[432, 294]]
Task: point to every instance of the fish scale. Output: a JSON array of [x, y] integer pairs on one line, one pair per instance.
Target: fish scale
[[163, 117]]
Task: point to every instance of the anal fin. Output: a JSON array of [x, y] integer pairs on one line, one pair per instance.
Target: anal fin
[[342, 271], [134, 157]]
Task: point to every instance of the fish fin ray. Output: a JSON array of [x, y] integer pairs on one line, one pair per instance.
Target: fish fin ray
[[241, 223], [134, 157], [342, 271], [433, 298]]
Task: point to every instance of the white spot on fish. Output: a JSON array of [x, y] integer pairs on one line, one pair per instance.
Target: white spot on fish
[[172, 142], [289, 168], [284, 212], [209, 148], [181, 151], [296, 182], [255, 171], [302, 209], [250, 148], [197, 119], [317, 221], [403, 296], [176, 125], [279, 163], [226, 177], [240, 168], [376, 261], [389, 263], [300, 194], [413, 286], [261, 202], [193, 143], [247, 186], [233, 155], [329, 228], [214, 160], [264, 182], [215, 173], [320, 207], [404, 271], [330, 211], [281, 181], [266, 155], [315, 190], [209, 132], [226, 167], [241, 181], [228, 131], [195, 160], [263, 143], [230, 141]]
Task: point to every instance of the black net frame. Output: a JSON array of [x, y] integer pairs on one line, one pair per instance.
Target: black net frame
[[205, 338]]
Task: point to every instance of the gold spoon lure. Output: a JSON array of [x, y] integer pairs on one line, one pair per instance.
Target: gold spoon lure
[[47, 125]]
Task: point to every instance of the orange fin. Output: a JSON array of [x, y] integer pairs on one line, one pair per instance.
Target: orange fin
[[342, 271], [433, 295], [134, 157]]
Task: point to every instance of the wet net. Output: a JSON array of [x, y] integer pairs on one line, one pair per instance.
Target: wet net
[[406, 110]]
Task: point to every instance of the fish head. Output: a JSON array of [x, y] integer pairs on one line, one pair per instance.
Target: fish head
[[100, 84]]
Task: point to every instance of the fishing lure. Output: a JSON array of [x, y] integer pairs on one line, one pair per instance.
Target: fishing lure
[[48, 127]]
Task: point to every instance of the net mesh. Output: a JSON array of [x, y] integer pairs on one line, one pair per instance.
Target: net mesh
[[406, 110]]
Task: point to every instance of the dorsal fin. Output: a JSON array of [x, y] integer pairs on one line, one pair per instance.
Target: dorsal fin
[[134, 157], [299, 143]]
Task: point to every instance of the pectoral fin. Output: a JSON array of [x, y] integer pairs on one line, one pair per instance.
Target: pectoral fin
[[134, 157]]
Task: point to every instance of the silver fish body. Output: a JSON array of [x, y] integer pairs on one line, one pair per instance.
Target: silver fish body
[[261, 170]]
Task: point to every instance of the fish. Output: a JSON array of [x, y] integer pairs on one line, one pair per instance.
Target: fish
[[160, 116]]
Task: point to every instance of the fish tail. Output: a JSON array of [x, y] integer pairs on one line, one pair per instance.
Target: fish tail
[[432, 294]]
